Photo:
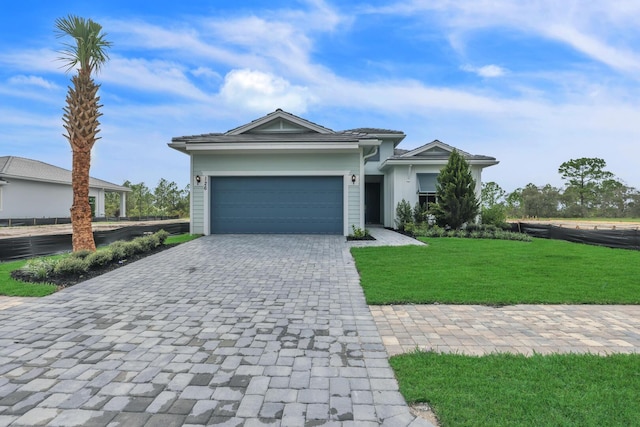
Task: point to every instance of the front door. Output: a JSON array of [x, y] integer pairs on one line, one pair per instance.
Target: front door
[[372, 203]]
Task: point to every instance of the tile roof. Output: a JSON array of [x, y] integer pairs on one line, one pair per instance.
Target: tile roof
[[272, 137], [375, 131], [35, 170]]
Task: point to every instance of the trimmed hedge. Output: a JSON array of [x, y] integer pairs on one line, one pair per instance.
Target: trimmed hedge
[[82, 261]]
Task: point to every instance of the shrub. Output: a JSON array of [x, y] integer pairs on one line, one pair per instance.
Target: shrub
[[359, 233], [420, 213], [162, 236], [39, 268], [404, 214], [119, 250], [99, 258], [146, 243], [135, 246], [410, 228], [495, 215], [81, 254], [71, 265]]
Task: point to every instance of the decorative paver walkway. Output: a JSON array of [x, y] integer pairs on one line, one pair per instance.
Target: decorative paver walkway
[[523, 329], [223, 330]]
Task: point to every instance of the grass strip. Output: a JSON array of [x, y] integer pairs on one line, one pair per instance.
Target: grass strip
[[11, 287], [515, 390], [498, 272], [15, 288]]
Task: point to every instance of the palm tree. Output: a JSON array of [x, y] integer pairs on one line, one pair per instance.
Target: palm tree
[[86, 54]]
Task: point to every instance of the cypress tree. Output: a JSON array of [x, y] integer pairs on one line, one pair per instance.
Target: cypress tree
[[456, 201]]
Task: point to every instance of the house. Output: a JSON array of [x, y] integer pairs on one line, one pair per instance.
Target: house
[[284, 174], [33, 189]]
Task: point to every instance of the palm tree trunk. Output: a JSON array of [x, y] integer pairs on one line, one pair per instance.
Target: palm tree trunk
[[81, 210]]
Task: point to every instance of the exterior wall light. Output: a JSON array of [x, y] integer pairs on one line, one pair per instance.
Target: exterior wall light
[[198, 179], [353, 179]]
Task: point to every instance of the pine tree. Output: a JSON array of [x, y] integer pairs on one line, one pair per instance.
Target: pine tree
[[456, 201]]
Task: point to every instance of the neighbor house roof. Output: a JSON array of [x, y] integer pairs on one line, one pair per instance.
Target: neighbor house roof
[[34, 170]]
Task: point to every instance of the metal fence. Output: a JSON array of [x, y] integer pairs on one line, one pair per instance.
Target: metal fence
[[19, 222], [32, 246]]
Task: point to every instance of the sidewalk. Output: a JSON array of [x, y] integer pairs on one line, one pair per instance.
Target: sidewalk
[[523, 329]]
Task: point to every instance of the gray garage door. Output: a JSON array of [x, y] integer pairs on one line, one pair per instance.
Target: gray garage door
[[277, 204]]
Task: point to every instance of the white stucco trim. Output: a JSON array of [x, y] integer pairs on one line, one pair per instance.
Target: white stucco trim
[[192, 186], [345, 190], [346, 181], [206, 206], [361, 184]]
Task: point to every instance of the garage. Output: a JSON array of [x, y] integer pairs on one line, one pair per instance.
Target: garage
[[277, 204]]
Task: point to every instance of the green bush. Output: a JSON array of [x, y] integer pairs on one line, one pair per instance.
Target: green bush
[[71, 265], [404, 214], [81, 254], [40, 268], [495, 215], [359, 233], [119, 250], [134, 247], [162, 236], [420, 213], [100, 258]]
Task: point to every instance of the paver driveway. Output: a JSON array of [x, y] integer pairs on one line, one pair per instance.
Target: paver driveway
[[232, 330]]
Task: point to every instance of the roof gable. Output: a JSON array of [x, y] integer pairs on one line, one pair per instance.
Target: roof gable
[[279, 121], [434, 149]]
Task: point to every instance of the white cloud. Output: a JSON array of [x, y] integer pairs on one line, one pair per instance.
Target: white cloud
[[487, 71], [22, 80], [206, 72], [592, 28], [151, 76], [263, 92]]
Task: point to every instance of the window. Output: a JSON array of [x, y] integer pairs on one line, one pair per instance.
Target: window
[[427, 188], [426, 199], [0, 197]]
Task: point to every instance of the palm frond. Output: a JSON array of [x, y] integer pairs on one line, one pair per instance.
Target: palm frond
[[88, 51]]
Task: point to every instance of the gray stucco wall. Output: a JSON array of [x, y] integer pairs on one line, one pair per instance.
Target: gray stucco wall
[[34, 199], [257, 163]]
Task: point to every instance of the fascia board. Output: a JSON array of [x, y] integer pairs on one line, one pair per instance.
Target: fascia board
[[179, 146], [396, 162], [268, 146], [369, 143]]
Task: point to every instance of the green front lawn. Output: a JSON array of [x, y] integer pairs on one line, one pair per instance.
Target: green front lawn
[[16, 288], [514, 390], [478, 271]]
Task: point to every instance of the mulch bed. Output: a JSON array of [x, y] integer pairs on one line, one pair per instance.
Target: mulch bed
[[70, 280]]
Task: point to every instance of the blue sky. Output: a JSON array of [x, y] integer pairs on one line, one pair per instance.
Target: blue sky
[[531, 82]]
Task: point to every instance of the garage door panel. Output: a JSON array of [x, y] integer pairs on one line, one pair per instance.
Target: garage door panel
[[277, 205]]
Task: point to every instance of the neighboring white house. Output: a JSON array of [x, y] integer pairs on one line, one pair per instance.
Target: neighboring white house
[[284, 174], [33, 189]]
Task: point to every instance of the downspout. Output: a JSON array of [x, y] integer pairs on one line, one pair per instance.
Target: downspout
[[368, 156]]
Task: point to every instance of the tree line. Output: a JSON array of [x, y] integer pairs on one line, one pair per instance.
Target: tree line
[[166, 199], [589, 191]]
